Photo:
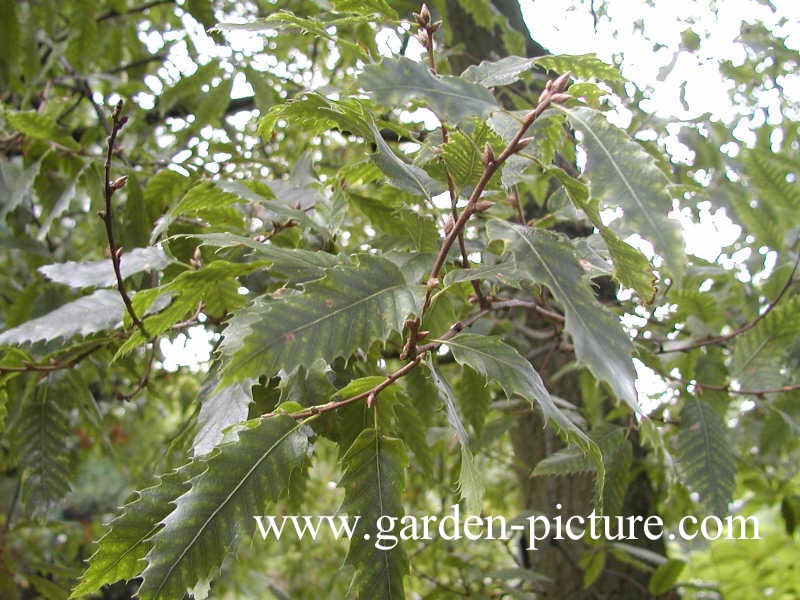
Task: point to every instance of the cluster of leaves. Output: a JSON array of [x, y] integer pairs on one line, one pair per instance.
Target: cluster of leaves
[[384, 295]]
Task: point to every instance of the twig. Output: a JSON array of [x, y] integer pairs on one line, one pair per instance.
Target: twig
[[552, 94], [53, 365], [118, 122], [716, 341], [144, 379], [726, 387], [371, 394], [136, 9], [137, 63]]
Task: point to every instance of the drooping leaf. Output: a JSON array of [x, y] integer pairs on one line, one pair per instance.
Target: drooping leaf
[[350, 308], [470, 484], [100, 310], [373, 482], [502, 365], [240, 480], [622, 174], [495, 73], [402, 175], [474, 398], [704, 456], [396, 81], [599, 339], [41, 435], [100, 273], [631, 268], [120, 552], [219, 410], [665, 576]]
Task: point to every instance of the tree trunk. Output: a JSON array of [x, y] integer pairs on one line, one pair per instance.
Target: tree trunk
[[557, 559]]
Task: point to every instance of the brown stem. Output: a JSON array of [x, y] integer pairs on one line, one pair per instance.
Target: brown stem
[[553, 92], [51, 366], [118, 122]]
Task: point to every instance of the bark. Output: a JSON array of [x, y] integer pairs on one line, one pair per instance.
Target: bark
[[558, 560]]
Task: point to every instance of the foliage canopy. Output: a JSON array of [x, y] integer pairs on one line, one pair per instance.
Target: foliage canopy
[[397, 268]]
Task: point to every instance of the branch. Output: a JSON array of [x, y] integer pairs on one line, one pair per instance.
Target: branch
[[553, 93], [118, 122], [136, 9], [726, 387], [52, 365], [716, 341]]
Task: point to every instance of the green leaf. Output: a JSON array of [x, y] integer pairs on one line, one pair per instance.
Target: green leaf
[[296, 264], [498, 72], [41, 435], [121, 551], [759, 352], [402, 175], [582, 66], [631, 268], [705, 459], [350, 308], [373, 482], [38, 126], [100, 273], [474, 397], [665, 576], [219, 409], [390, 215], [241, 478], [623, 174], [287, 20], [600, 342], [98, 311], [396, 81], [215, 285], [502, 365], [463, 154], [470, 484]]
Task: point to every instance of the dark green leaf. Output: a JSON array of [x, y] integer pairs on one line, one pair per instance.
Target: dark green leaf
[[622, 174], [350, 308], [704, 456], [240, 480], [600, 341], [373, 482], [396, 81]]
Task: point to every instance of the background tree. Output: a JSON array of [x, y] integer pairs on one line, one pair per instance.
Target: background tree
[[399, 302]]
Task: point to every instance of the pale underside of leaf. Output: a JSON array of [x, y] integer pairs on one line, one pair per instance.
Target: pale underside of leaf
[[99, 311]]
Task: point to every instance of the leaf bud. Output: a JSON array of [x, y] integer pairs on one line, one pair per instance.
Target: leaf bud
[[560, 97], [560, 83], [488, 155], [483, 205], [118, 183]]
